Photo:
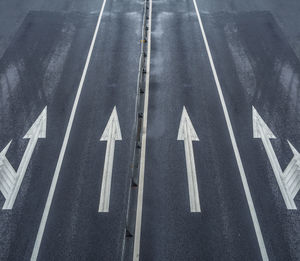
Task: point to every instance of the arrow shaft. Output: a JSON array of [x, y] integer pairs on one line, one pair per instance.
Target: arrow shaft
[[191, 172], [107, 174], [22, 170], [289, 202]]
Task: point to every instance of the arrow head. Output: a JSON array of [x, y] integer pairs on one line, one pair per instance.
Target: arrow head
[[112, 129], [38, 126], [186, 121], [260, 128]]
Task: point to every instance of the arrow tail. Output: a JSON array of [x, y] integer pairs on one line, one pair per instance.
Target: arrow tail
[[191, 173], [107, 176]]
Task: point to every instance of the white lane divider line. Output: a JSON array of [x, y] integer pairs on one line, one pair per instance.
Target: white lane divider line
[[188, 134], [138, 222], [41, 230], [259, 236], [111, 133]]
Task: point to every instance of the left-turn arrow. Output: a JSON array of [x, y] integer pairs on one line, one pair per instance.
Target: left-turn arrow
[[111, 133]]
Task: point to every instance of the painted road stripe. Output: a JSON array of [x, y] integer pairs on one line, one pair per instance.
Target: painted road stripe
[[259, 236], [138, 222], [41, 230], [188, 134], [262, 131], [111, 133], [37, 131]]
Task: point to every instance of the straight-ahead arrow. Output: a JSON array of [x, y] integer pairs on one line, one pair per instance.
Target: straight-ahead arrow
[[111, 133], [262, 131], [188, 134], [8, 174]]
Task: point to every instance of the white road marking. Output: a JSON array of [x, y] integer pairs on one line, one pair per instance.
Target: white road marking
[[111, 133], [139, 210], [259, 236], [188, 134], [8, 176], [289, 180], [291, 175], [40, 233], [11, 180]]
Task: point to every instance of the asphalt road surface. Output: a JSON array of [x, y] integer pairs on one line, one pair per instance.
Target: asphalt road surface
[[149, 130]]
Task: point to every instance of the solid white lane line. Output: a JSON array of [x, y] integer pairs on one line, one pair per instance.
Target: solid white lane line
[[138, 223], [41, 230], [259, 236]]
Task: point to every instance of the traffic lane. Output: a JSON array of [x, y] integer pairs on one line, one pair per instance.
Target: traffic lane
[[181, 76], [75, 230], [90, 6], [286, 14], [40, 68], [260, 69], [13, 12]]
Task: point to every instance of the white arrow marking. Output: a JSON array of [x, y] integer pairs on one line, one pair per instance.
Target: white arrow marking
[[111, 133], [262, 131], [10, 180], [8, 175], [188, 134], [291, 175]]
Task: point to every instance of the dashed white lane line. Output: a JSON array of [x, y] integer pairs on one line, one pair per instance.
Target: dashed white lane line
[[259, 236], [41, 230]]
